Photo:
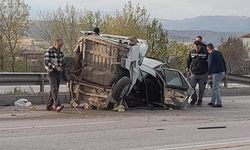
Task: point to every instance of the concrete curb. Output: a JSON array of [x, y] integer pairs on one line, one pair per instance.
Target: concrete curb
[[8, 100], [231, 92], [37, 99]]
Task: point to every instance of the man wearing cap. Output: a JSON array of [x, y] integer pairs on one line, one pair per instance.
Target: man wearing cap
[[198, 65]]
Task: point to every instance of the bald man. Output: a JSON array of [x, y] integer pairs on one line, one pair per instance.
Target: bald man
[[53, 62]]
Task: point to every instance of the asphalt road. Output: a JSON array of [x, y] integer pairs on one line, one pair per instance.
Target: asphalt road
[[132, 130]]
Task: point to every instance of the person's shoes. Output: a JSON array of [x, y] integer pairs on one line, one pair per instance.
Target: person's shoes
[[211, 103], [199, 103], [59, 108], [119, 108], [50, 108], [192, 102], [217, 105]]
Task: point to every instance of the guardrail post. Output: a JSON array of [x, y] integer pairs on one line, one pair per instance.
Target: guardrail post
[[42, 83], [225, 82]]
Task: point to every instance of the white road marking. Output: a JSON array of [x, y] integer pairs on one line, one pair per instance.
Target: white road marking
[[208, 145], [57, 125], [222, 144]]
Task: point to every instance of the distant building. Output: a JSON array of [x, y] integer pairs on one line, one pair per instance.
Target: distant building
[[32, 53], [246, 42], [33, 60]]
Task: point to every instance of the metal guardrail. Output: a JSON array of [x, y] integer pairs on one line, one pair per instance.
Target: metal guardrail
[[24, 78], [239, 79]]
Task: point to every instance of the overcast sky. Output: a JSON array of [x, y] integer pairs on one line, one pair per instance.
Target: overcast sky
[[164, 9]]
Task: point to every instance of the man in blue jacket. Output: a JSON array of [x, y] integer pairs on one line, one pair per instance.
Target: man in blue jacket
[[216, 70]]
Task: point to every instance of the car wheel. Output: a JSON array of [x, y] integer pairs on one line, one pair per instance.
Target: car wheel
[[121, 88]]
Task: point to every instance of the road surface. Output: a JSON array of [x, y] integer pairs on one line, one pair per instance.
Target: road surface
[[132, 130]]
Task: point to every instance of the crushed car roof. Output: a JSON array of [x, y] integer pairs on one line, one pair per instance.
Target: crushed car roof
[[151, 63]]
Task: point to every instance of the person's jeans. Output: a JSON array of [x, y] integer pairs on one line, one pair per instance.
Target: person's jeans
[[54, 81], [216, 95]]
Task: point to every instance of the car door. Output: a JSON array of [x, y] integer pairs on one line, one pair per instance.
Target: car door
[[177, 89]]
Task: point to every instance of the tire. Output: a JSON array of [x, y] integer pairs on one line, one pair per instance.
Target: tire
[[121, 88], [68, 68]]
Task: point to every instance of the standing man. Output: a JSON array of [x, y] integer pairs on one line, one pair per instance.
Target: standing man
[[197, 64], [199, 38], [216, 69], [53, 62]]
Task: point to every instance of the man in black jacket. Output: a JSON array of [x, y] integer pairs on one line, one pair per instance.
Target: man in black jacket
[[197, 64]]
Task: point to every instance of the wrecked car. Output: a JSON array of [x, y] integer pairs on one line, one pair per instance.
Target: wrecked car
[[113, 72]]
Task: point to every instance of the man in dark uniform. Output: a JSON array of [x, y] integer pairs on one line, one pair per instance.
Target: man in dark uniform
[[198, 65]]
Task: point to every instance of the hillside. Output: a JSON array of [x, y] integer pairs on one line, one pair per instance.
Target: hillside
[[186, 30], [210, 23], [208, 36]]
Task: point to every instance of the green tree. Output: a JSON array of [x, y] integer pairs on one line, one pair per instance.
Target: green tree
[[90, 20], [234, 53], [62, 23], [130, 21], [157, 40], [178, 53], [3, 51], [14, 19]]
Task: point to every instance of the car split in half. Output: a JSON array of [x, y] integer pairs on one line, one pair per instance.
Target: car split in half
[[113, 72]]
